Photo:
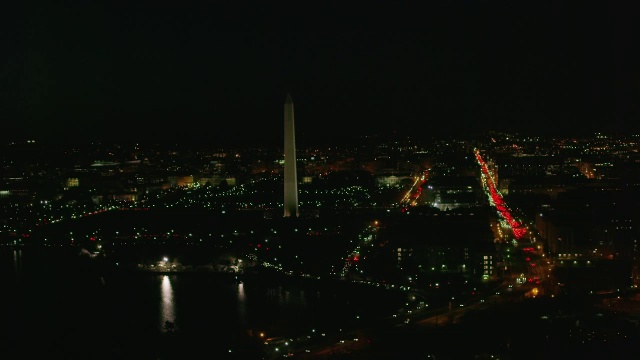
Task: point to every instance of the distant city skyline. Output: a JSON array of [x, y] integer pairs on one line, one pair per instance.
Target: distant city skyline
[[402, 247]]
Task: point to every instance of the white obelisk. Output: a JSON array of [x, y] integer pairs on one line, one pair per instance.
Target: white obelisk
[[290, 169]]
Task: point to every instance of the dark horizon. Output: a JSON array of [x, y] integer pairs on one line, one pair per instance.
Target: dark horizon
[[123, 72]]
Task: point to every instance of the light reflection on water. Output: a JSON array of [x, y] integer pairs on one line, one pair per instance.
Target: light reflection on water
[[242, 305], [167, 311], [199, 304], [46, 288], [17, 263]]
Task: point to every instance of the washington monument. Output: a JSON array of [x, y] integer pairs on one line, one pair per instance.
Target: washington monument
[[290, 169]]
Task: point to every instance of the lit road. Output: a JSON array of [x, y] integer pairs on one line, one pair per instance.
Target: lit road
[[495, 198], [411, 196]]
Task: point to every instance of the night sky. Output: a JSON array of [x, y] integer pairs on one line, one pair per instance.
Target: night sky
[[209, 71]]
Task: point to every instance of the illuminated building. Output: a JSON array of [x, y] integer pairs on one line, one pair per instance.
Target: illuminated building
[[72, 182], [181, 180]]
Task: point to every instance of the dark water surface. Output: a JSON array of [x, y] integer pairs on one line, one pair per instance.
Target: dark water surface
[[55, 302]]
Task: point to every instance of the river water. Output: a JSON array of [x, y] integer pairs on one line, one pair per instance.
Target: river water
[[55, 302]]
